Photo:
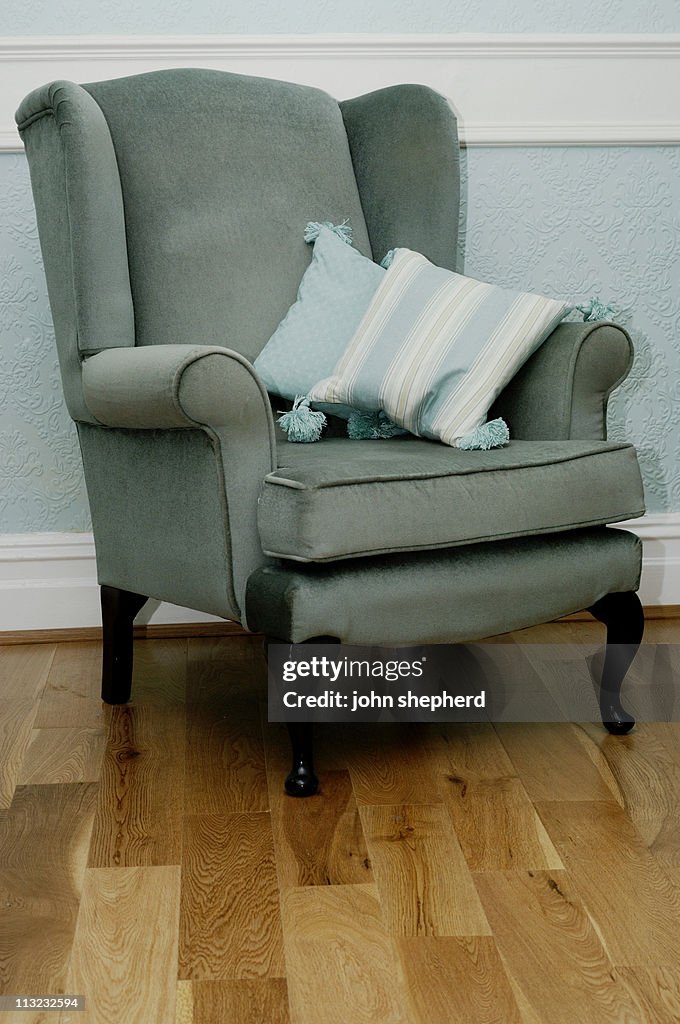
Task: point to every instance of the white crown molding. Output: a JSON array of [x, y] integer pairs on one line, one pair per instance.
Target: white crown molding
[[367, 45], [49, 580], [508, 90]]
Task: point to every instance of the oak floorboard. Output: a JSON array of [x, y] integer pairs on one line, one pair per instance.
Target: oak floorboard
[[141, 796], [645, 778], [230, 920], [24, 670], [388, 764], [319, 840], [44, 838], [226, 669], [241, 1002], [225, 765], [548, 758], [16, 725], [341, 964], [23, 675], [457, 981], [423, 879], [657, 989], [160, 672], [551, 949], [71, 698], [184, 1002], [63, 755], [496, 823], [632, 901], [125, 949]]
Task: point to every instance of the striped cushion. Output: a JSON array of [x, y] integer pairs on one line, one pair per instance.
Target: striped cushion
[[434, 349]]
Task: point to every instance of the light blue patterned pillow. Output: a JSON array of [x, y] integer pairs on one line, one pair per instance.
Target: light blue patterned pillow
[[434, 349], [333, 296]]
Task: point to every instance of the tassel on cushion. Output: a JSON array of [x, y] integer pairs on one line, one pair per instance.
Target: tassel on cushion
[[372, 426], [494, 434], [343, 231], [595, 309], [386, 261], [302, 424]]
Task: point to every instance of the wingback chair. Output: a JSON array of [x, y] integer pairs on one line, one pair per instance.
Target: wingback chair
[[170, 210]]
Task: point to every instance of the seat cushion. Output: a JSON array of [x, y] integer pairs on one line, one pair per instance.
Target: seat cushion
[[343, 499], [450, 596]]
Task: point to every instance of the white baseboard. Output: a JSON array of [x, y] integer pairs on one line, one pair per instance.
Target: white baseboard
[[660, 535], [49, 580], [507, 90]]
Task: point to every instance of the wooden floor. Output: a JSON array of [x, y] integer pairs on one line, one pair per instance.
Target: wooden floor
[[149, 859]]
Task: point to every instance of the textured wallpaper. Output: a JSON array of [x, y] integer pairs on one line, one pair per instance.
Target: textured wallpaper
[[71, 17], [569, 222]]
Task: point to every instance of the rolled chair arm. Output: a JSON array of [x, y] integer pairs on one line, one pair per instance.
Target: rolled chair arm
[[150, 392], [165, 386], [561, 393]]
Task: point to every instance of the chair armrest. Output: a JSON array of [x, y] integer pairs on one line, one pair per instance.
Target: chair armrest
[[165, 386], [150, 392], [561, 393]]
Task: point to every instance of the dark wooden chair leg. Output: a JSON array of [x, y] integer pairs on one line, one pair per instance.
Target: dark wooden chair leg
[[301, 779], [119, 608], [623, 616]]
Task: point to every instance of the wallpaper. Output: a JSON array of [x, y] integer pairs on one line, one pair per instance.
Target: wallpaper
[[570, 222], [71, 17]]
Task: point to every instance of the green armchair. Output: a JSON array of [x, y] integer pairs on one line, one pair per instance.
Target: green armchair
[[170, 208]]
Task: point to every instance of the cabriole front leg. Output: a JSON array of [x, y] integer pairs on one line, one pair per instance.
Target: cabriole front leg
[[623, 616], [301, 779], [119, 608]]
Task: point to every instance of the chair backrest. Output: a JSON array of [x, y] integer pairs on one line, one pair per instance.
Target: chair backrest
[[171, 205]]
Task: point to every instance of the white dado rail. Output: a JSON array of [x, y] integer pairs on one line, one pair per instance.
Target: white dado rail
[[507, 89]]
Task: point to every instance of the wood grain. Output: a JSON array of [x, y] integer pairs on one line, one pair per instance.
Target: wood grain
[[320, 840], [657, 990], [160, 672], [184, 1002], [44, 838], [241, 1002], [225, 767], [230, 922], [424, 882], [125, 950], [72, 694], [16, 723], [23, 674], [457, 981], [141, 797], [631, 900], [645, 778], [573, 836], [552, 950], [387, 764], [23, 671], [341, 964], [496, 823], [549, 760], [63, 755]]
